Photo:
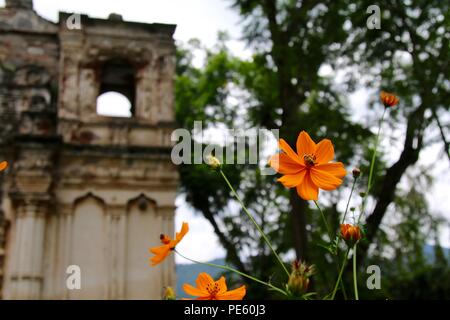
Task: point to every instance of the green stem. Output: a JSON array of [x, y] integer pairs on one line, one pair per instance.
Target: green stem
[[344, 262], [349, 198], [254, 222], [355, 280], [346, 255], [235, 271], [372, 163], [363, 206], [324, 221], [372, 166], [344, 293]]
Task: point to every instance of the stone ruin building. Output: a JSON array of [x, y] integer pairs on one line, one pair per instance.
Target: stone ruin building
[[82, 188]]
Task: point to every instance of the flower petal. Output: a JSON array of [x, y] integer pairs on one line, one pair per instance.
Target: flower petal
[[287, 148], [222, 285], [324, 151], [182, 233], [305, 145], [3, 165], [160, 249], [324, 180], [160, 253], [206, 298], [389, 99], [203, 280], [283, 164], [335, 168], [293, 180], [192, 291], [308, 190], [236, 294]]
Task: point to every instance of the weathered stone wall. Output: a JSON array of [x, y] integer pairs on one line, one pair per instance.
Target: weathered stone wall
[[29, 55], [83, 189]]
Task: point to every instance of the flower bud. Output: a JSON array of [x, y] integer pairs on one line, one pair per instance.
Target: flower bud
[[388, 99], [213, 162], [299, 279], [356, 172], [350, 233], [169, 294]]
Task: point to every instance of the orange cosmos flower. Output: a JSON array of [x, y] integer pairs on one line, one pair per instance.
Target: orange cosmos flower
[[350, 233], [3, 165], [163, 251], [388, 99], [208, 289], [310, 168]]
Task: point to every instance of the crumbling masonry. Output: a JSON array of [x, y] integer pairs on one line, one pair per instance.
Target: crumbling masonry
[[84, 189]]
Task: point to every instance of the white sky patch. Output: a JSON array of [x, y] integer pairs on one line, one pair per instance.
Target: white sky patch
[[201, 19], [200, 243], [113, 104]]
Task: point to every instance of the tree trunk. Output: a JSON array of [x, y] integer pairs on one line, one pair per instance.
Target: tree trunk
[[409, 156], [299, 212]]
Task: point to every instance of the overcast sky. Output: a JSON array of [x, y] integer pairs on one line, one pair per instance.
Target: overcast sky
[[203, 19]]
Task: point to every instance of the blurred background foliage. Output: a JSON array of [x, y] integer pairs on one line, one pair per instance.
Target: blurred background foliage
[[282, 86]]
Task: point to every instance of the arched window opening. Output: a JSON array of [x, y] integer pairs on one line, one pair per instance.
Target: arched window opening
[[117, 89], [113, 104]]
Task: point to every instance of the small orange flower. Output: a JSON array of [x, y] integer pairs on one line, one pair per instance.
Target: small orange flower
[[3, 165], [388, 99], [208, 289], [163, 251], [350, 233], [310, 168]]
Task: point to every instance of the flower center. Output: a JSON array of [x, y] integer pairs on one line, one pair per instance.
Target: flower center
[[309, 159], [164, 239], [213, 289]]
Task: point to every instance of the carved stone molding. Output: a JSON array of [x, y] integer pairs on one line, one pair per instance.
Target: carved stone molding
[[31, 205], [116, 211]]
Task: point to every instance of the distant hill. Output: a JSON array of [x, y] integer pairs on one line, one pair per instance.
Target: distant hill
[[429, 252], [187, 273]]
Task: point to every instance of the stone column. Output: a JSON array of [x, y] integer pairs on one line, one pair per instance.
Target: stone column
[[117, 253], [26, 268], [167, 214]]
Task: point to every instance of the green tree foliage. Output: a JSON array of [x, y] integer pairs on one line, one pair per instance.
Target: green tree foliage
[[282, 87]]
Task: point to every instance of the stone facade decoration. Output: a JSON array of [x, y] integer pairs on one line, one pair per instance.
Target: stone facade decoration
[[84, 189]]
